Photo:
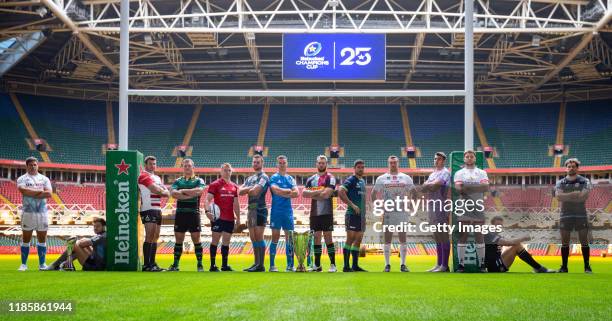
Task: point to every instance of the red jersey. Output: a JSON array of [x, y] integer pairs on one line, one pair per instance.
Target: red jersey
[[224, 194]]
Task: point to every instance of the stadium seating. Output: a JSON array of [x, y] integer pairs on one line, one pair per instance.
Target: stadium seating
[[520, 133], [371, 133], [9, 190], [93, 194], [435, 129], [14, 134], [75, 129], [588, 132], [300, 132], [156, 129], [225, 134]]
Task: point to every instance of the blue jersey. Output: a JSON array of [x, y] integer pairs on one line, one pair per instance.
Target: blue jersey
[[281, 205]]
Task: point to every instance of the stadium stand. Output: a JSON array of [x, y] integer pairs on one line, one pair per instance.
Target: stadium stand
[[300, 132], [520, 133], [370, 133], [156, 129], [588, 132], [435, 129], [9, 190], [14, 134], [93, 194], [225, 134], [68, 126]]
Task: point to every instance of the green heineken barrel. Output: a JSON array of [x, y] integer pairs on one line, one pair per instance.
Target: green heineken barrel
[[122, 171], [471, 259]]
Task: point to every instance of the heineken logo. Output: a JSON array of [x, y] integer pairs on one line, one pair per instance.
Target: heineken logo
[[122, 254], [122, 168]]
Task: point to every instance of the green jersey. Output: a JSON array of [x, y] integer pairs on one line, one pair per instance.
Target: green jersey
[[191, 205], [355, 191]]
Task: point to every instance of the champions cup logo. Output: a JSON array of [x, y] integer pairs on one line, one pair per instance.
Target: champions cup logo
[[312, 49], [310, 59]]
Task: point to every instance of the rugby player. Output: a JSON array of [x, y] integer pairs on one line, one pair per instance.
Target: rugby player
[[224, 193], [436, 188], [283, 189], [353, 192], [187, 190], [256, 186], [391, 186], [89, 251], [498, 260], [573, 191], [471, 183], [320, 188], [35, 189], [151, 192]]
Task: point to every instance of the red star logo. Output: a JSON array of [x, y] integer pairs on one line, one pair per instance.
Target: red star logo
[[123, 168]]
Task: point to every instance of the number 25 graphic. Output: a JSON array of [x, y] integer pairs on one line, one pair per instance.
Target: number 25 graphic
[[361, 53]]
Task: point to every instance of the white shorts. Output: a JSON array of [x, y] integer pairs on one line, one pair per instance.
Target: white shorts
[[395, 218], [34, 221]]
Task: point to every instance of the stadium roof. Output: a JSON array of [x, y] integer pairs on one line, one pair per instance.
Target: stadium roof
[[526, 50]]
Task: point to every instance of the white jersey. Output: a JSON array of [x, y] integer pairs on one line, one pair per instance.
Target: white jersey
[[40, 182], [472, 176], [392, 186], [149, 201]]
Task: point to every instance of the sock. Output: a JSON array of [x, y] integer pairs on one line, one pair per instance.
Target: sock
[[586, 253], [262, 252], [41, 248], [387, 253], [256, 253], [331, 252], [178, 250], [355, 253], [25, 251], [439, 253], [346, 250], [480, 251], [224, 254], [446, 247], [564, 255], [289, 253], [461, 252], [213, 254], [317, 254], [272, 253], [59, 260], [153, 252], [197, 249], [146, 253], [527, 258], [403, 249]]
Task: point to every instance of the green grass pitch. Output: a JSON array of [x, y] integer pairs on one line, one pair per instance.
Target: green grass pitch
[[518, 295]]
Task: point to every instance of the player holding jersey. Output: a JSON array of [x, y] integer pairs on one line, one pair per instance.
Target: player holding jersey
[[35, 188], [151, 192], [391, 186], [225, 195], [187, 190], [256, 186], [352, 193], [283, 189], [320, 187], [471, 183]]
